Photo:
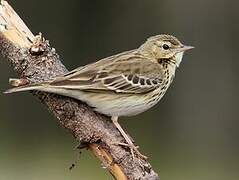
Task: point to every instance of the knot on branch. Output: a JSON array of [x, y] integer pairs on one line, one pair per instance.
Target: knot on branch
[[39, 45]]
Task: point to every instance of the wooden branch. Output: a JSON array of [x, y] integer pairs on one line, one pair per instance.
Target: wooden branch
[[33, 59]]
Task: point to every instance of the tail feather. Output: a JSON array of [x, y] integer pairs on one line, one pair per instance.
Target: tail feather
[[23, 88], [45, 87]]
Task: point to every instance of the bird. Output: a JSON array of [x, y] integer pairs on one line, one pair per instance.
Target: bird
[[125, 84]]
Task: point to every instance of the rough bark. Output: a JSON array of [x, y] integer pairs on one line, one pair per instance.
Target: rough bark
[[33, 59]]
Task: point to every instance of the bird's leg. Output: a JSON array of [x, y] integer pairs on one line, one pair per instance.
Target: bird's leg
[[129, 143]]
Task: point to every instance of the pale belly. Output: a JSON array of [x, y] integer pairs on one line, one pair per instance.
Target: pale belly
[[122, 105], [112, 104]]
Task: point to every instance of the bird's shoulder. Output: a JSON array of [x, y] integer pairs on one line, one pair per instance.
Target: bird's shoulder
[[129, 62], [132, 63]]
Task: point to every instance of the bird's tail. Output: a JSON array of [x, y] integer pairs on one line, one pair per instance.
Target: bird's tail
[[19, 88]]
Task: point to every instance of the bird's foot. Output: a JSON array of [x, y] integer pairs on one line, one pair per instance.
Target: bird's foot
[[129, 143], [133, 149]]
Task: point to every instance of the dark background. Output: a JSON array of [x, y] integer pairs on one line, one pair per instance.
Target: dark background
[[192, 134]]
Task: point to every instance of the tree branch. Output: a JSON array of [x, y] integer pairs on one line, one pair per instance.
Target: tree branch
[[33, 59]]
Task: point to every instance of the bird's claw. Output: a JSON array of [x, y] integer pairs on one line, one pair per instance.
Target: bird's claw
[[133, 149]]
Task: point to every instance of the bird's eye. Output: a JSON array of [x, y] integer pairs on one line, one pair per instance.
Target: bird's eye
[[165, 47]]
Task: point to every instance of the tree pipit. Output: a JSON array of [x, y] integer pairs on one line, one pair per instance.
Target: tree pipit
[[125, 84]]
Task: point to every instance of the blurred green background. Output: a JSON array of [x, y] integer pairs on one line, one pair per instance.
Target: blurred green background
[[192, 134]]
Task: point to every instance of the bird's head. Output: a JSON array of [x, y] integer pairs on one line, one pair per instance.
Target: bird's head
[[164, 48]]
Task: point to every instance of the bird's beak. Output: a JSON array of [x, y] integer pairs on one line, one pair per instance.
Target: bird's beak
[[184, 48]]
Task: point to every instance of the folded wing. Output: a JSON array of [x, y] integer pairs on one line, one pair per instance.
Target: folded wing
[[122, 74]]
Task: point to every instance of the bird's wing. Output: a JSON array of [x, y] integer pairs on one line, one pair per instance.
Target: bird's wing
[[120, 74]]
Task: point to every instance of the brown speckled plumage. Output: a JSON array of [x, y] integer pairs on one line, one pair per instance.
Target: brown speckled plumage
[[125, 84]]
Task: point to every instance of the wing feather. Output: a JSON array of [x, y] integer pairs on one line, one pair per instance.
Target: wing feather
[[119, 74]]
